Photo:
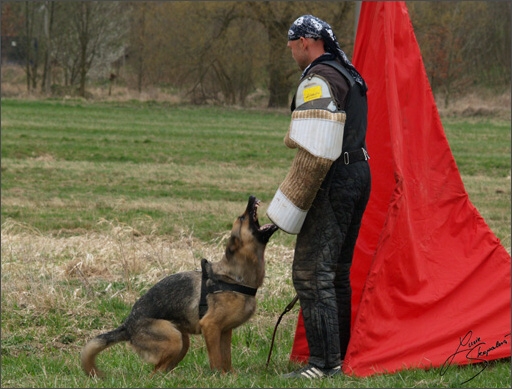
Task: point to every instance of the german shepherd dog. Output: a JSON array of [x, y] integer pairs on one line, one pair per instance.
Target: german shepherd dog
[[160, 322]]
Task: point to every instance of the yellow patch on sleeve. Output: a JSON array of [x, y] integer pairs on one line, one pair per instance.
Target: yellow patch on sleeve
[[312, 93]]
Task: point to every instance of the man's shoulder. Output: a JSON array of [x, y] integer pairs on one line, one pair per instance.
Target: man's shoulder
[[328, 72], [323, 68], [338, 83]]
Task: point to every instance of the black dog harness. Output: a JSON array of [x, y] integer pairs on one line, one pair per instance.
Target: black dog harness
[[210, 283]]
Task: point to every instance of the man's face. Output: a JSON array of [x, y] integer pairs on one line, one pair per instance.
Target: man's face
[[298, 53]]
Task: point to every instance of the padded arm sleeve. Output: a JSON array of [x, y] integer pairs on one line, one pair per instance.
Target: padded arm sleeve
[[318, 136]]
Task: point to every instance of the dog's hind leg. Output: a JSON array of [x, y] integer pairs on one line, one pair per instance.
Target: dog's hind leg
[[159, 342], [225, 349], [174, 362]]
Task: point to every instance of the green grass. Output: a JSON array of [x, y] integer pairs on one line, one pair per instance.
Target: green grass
[[91, 158], [100, 200], [141, 134], [481, 147]]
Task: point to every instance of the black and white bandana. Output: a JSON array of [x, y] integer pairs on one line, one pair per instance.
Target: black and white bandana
[[309, 26]]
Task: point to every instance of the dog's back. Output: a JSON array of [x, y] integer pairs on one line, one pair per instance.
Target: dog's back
[[175, 298]]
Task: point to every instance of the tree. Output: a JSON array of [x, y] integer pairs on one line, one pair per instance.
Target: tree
[[202, 48], [488, 49], [31, 45], [223, 51], [97, 31], [138, 45], [239, 55], [12, 27], [277, 19], [463, 44], [89, 35], [49, 7]]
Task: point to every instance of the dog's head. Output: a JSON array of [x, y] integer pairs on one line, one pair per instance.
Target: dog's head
[[248, 224], [248, 239]]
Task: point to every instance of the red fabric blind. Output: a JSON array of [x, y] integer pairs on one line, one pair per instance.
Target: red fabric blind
[[431, 282]]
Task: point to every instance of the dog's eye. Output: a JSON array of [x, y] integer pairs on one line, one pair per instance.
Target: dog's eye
[[241, 218]]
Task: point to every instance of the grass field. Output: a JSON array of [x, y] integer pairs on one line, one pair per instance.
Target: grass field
[[101, 200]]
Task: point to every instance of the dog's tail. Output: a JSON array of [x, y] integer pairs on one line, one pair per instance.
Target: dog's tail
[[97, 345]]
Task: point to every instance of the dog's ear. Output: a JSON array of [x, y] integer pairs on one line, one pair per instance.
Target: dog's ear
[[232, 246]]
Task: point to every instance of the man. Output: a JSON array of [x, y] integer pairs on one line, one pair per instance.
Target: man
[[325, 193]]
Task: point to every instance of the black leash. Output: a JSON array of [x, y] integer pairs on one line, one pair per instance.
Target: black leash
[[287, 309]]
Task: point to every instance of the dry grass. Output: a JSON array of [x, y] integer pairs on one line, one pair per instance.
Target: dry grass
[[14, 85], [474, 104], [477, 105], [34, 265], [47, 278]]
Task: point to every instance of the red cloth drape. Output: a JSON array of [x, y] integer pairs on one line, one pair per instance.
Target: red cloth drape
[[431, 282]]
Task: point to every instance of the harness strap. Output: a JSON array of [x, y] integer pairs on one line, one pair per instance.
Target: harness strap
[[203, 304], [211, 284], [355, 155], [340, 68]]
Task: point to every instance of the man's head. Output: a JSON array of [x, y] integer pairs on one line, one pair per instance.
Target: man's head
[[308, 38], [309, 26], [306, 50]]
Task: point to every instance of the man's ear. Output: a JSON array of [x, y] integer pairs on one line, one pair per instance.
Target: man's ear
[[232, 246], [303, 42]]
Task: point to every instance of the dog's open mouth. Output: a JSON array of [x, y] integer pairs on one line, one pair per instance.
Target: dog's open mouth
[[263, 233]]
